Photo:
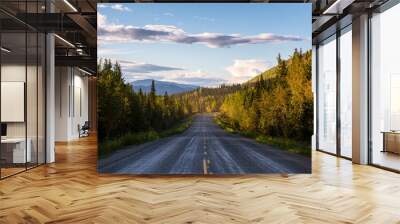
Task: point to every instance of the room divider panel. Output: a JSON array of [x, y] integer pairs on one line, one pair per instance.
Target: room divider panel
[[22, 77]]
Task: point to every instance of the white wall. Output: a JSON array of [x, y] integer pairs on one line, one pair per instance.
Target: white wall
[[80, 94], [62, 82], [71, 87]]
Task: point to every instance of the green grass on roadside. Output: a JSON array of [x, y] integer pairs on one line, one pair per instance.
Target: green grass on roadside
[[109, 146], [282, 143]]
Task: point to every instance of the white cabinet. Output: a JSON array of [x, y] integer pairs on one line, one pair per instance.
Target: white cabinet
[[19, 155]]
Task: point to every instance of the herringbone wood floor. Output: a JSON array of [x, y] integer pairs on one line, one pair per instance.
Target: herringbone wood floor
[[70, 191]]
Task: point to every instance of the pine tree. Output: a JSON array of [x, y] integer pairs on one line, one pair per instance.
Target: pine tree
[[166, 98], [153, 88], [281, 66]]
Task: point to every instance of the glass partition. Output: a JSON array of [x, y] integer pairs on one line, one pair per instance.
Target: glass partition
[[14, 153], [327, 95], [22, 88], [385, 89], [346, 92]]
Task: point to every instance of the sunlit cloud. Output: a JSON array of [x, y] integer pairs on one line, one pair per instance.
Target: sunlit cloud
[[243, 70]]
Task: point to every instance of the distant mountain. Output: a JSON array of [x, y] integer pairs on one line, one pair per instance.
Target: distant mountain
[[162, 87]]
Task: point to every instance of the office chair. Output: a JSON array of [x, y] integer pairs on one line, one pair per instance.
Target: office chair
[[84, 130]]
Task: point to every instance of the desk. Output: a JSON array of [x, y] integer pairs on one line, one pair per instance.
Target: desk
[[13, 150], [391, 141]]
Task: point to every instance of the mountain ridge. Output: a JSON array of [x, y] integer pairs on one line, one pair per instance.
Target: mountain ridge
[[162, 86]]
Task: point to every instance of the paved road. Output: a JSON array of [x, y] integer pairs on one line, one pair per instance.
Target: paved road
[[204, 148]]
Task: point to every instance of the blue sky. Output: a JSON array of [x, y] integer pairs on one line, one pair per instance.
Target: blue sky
[[200, 44]]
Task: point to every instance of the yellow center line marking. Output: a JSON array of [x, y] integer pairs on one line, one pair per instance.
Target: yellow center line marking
[[205, 170]]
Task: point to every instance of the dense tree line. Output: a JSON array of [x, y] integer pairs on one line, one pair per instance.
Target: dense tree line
[[122, 110], [279, 103], [207, 100]]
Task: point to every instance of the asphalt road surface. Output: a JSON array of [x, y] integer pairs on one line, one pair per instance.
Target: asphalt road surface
[[204, 148]]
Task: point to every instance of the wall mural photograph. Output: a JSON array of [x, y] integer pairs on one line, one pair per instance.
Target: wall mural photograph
[[204, 89]]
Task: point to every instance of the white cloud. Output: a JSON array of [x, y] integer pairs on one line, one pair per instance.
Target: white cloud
[[117, 7], [120, 7], [108, 32], [243, 70], [101, 20], [140, 67], [165, 28]]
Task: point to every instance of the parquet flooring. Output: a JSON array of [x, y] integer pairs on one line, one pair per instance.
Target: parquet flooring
[[71, 191]]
